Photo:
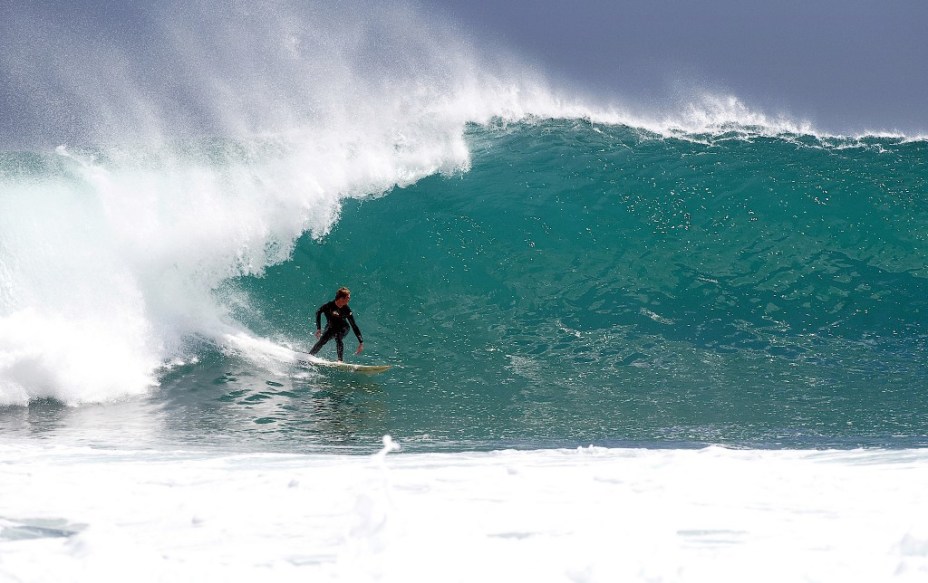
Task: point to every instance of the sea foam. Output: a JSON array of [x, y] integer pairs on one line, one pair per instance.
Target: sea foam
[[589, 514]]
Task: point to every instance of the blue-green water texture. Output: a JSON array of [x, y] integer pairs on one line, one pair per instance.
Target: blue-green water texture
[[573, 284]]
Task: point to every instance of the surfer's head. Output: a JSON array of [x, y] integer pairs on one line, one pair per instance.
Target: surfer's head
[[343, 295]]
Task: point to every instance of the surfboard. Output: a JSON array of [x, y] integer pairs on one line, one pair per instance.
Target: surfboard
[[369, 369]]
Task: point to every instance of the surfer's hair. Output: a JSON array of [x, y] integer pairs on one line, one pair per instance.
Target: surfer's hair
[[343, 292]]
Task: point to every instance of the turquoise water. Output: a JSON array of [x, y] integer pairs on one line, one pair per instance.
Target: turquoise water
[[573, 283], [599, 284]]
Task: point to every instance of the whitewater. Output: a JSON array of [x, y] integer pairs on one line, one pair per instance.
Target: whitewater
[[589, 514], [684, 343]]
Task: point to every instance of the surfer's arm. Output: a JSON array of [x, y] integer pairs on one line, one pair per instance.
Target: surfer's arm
[[354, 327]]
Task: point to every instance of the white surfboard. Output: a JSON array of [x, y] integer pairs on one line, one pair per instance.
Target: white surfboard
[[369, 369]]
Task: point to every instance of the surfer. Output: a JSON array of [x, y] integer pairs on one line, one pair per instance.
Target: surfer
[[338, 318]]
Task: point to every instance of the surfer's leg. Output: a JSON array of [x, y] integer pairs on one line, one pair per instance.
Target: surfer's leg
[[339, 346], [326, 336]]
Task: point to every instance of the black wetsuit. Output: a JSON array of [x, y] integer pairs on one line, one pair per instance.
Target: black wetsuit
[[338, 321]]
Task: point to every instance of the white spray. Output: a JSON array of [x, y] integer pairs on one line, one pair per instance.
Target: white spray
[[111, 253], [203, 143]]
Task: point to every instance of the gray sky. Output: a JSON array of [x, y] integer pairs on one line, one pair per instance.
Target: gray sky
[[69, 69], [846, 65]]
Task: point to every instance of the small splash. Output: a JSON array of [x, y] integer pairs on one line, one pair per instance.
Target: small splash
[[388, 446]]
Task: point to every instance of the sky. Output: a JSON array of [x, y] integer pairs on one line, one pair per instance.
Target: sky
[[845, 65]]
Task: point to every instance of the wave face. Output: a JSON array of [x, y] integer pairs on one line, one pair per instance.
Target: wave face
[[541, 270], [588, 282], [575, 282]]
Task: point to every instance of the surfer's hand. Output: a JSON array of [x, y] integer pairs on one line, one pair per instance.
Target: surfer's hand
[[318, 333], [360, 348]]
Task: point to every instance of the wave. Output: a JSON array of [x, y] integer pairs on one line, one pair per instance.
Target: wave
[[116, 250]]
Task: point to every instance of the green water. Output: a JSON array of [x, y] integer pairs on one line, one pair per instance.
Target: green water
[[584, 284], [572, 284]]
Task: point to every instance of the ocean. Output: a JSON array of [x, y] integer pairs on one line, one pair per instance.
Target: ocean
[[690, 347], [577, 283]]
